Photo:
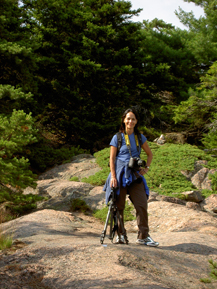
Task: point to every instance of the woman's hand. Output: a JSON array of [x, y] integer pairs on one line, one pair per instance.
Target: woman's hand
[[113, 182], [143, 171]]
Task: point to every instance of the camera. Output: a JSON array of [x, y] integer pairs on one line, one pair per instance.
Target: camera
[[136, 163]]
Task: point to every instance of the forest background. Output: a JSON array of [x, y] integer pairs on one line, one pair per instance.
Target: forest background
[[70, 68]]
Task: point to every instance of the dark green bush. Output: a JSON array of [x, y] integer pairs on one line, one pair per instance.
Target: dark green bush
[[17, 203], [150, 133], [79, 205], [43, 155]]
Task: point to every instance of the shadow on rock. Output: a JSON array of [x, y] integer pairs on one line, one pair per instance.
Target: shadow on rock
[[191, 248]]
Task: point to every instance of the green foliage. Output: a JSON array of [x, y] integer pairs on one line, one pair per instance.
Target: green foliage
[[17, 60], [17, 203], [213, 178], [192, 111], [43, 154], [92, 61], [210, 139], [150, 133], [76, 64], [101, 214], [5, 215], [5, 241], [165, 175], [16, 132], [168, 72], [202, 36], [209, 83], [212, 274], [74, 179], [200, 109], [213, 267], [167, 58], [169, 160], [86, 58], [198, 113], [206, 193], [102, 159], [12, 98], [128, 216], [205, 280], [16, 125], [79, 205]]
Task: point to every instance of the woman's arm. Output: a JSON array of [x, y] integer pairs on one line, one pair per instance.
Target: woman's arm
[[149, 154], [113, 153]]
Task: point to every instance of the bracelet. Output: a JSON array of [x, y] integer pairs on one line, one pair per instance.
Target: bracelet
[[147, 167]]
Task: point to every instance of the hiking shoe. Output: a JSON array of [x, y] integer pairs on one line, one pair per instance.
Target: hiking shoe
[[147, 241], [120, 240]]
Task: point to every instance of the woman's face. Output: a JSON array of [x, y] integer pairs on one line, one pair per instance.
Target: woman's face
[[130, 121]]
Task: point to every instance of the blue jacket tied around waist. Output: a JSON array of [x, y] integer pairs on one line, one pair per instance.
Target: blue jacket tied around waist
[[125, 177]]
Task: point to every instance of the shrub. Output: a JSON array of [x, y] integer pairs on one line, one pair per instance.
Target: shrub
[[16, 131], [43, 155], [102, 214], [5, 241], [206, 193], [165, 175], [169, 160], [150, 133], [205, 280], [79, 205], [102, 159], [17, 203], [5, 215], [212, 274], [213, 178], [74, 179]]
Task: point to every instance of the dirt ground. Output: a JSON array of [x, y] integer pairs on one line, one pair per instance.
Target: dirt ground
[[61, 250]]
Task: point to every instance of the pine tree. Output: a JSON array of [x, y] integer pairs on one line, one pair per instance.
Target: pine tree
[[209, 82], [16, 84], [202, 36], [198, 113], [93, 62], [17, 61], [86, 60], [16, 132]]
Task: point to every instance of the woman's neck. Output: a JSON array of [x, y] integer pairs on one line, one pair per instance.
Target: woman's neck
[[129, 131]]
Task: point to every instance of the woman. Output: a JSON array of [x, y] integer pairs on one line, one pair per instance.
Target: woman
[[127, 179]]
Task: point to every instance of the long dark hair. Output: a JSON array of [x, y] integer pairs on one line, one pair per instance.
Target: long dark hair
[[122, 127]]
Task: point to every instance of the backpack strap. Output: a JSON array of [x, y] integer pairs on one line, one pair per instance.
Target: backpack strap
[[119, 137], [140, 139]]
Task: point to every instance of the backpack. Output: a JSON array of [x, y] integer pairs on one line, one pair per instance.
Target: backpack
[[119, 137]]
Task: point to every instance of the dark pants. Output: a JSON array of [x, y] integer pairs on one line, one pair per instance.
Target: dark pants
[[139, 200]]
